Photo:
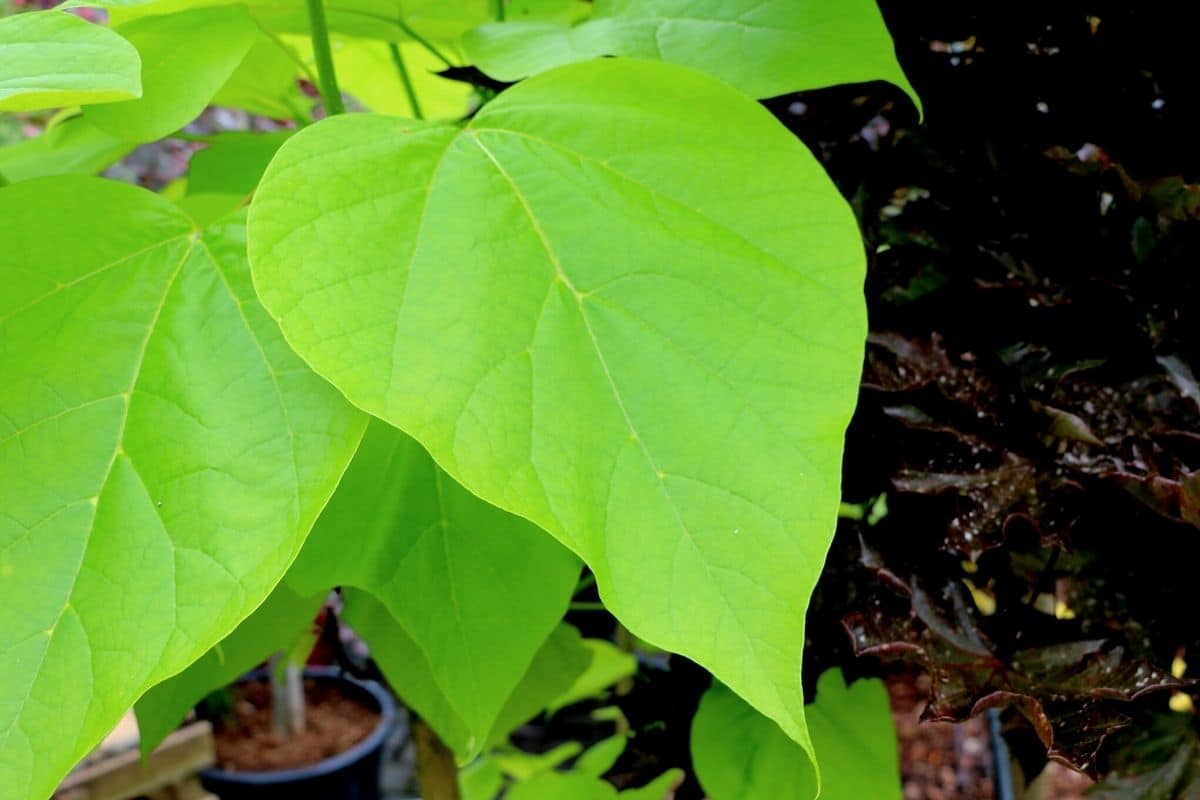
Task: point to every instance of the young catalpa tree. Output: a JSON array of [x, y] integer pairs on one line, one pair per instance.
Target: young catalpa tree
[[567, 296]]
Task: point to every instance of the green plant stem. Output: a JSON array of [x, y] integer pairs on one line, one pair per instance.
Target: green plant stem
[[850, 511], [406, 79], [330, 94], [584, 605], [500, 10], [410, 33]]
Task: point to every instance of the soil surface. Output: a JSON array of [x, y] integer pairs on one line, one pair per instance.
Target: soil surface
[[335, 723]]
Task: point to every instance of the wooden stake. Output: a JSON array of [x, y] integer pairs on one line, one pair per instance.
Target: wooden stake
[[436, 770]]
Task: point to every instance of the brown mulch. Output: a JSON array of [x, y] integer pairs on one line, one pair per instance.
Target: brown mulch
[[335, 723], [949, 761]]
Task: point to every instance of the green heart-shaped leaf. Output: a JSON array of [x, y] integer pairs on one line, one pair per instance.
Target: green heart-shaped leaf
[[624, 303], [475, 590], [178, 81], [432, 20], [765, 48], [414, 675], [472, 650], [50, 59], [265, 82], [163, 454]]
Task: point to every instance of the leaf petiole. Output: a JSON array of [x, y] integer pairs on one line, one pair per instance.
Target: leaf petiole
[[326, 75], [406, 79]]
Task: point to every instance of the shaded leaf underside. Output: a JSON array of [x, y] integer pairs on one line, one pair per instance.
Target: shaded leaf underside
[[763, 47], [472, 591]]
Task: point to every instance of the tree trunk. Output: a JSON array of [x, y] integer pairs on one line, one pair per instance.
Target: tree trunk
[[287, 697]]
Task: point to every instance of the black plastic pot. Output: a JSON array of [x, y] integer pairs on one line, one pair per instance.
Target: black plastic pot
[[350, 775]]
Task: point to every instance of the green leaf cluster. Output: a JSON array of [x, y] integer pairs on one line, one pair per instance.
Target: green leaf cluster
[[544, 777], [739, 753], [441, 355]]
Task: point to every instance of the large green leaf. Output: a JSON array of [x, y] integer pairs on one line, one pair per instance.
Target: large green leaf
[[50, 59], [739, 754], [266, 82], [437, 20], [233, 162], [552, 10], [282, 619], [413, 675], [162, 456], [474, 673], [222, 176], [623, 302], [407, 668], [73, 146], [284, 616], [558, 664], [186, 58], [475, 589], [764, 47]]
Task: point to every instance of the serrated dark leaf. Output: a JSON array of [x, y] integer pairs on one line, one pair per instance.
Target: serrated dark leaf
[[1073, 693]]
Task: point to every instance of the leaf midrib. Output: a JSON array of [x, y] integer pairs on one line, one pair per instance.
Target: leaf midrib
[[775, 261], [444, 519], [270, 368], [594, 292], [650, 460]]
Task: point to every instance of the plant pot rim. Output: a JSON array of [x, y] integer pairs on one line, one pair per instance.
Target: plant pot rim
[[326, 766]]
